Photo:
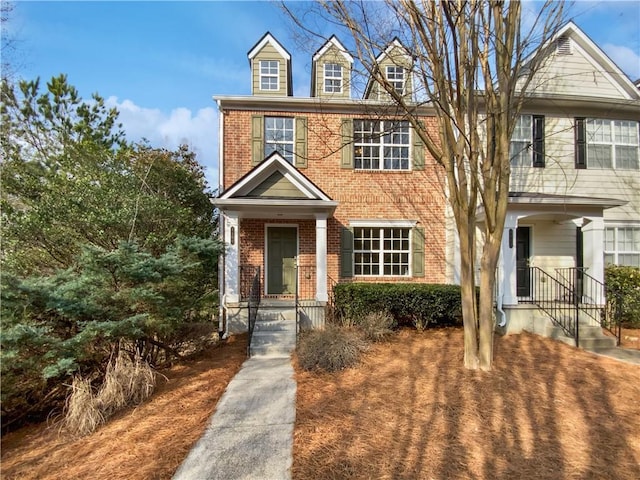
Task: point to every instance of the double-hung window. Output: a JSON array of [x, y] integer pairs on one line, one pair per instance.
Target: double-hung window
[[381, 145], [395, 76], [332, 78], [381, 251], [279, 137], [607, 144], [527, 142], [622, 246], [269, 73]]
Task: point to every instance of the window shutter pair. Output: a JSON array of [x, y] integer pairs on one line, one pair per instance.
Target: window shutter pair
[[538, 141], [346, 252], [348, 146], [580, 143], [257, 141]]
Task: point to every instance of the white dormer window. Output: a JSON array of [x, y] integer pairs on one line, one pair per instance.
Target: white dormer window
[[332, 78], [269, 75], [395, 76]]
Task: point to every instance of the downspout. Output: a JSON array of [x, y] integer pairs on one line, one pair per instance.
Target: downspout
[[223, 324], [500, 294]]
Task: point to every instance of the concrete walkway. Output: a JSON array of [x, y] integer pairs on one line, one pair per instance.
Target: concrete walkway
[[250, 436], [623, 354]]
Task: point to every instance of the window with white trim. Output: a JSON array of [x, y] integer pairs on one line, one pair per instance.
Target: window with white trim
[[332, 78], [521, 141], [279, 137], [612, 144], [395, 76], [381, 145], [269, 74], [381, 251], [622, 246]]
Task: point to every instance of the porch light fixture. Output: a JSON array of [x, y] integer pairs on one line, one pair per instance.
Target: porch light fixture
[[233, 235], [510, 237]]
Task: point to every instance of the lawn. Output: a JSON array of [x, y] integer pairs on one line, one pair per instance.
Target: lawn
[[409, 410]]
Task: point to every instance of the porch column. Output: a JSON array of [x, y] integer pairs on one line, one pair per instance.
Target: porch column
[[593, 253], [231, 266], [508, 250], [321, 257]]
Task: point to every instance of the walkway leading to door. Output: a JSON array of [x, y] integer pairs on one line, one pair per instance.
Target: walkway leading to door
[[250, 435]]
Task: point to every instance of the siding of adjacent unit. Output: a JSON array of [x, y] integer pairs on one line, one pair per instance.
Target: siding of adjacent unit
[[268, 52], [573, 74], [333, 55], [562, 178], [552, 245]]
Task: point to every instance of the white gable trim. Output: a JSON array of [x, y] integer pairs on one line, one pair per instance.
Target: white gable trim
[[395, 43], [268, 38], [275, 163], [336, 43]]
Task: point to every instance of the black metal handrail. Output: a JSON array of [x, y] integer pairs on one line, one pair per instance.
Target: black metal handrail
[[557, 300], [253, 305]]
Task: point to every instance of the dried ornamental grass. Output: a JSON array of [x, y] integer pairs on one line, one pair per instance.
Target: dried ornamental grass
[[378, 326], [331, 349], [82, 410]]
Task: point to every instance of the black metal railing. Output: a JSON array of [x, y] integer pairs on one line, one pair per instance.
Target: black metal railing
[[330, 313], [305, 290], [594, 299], [554, 298], [253, 303]]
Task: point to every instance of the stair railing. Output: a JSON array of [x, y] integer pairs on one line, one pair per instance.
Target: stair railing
[[253, 304]]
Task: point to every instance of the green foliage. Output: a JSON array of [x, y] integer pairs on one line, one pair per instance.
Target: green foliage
[[623, 293], [73, 320], [334, 348], [418, 304]]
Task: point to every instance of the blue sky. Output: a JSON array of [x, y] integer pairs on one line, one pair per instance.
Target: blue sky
[[160, 63]]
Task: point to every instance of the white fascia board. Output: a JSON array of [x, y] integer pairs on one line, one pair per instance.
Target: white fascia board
[[269, 39], [375, 222], [336, 43], [391, 46]]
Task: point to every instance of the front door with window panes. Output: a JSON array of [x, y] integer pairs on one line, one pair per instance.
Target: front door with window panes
[[282, 249]]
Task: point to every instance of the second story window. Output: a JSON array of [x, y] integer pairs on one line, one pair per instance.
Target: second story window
[[395, 76], [332, 78], [381, 145], [612, 144], [269, 73], [279, 137], [527, 142]]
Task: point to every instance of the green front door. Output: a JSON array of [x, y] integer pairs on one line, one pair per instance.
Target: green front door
[[282, 248]]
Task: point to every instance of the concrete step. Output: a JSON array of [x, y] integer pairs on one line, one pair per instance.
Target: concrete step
[[594, 344], [275, 314], [586, 331], [275, 326]]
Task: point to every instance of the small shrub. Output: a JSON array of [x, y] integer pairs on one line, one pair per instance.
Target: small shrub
[[331, 349], [377, 326], [623, 293]]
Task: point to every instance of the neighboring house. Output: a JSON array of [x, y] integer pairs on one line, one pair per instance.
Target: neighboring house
[[329, 188]]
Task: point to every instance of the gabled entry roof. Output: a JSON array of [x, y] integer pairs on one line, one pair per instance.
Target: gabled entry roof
[[275, 188]]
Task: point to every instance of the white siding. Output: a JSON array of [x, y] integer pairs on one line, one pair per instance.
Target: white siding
[[552, 245]]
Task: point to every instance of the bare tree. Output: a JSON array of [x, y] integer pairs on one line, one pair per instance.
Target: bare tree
[[473, 61]]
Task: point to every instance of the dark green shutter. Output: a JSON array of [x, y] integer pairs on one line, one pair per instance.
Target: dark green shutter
[[418, 149], [581, 143], [257, 139], [301, 142], [538, 141], [347, 143], [346, 253], [417, 253]]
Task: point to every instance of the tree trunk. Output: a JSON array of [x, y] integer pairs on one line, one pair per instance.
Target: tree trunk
[[467, 286], [489, 262]]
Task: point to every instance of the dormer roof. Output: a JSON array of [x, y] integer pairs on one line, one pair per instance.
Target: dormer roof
[[332, 52], [268, 48], [395, 53]]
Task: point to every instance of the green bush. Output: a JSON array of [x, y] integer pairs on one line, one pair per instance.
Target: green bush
[[623, 293], [377, 326], [334, 348], [418, 304]]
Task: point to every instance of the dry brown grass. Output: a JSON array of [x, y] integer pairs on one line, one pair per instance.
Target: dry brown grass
[[409, 410], [147, 442]]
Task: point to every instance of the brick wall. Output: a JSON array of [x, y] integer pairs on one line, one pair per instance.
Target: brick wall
[[389, 195]]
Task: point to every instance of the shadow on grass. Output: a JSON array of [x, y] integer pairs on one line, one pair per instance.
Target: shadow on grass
[[411, 410]]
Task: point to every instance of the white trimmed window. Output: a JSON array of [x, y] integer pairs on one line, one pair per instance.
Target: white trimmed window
[[332, 78], [279, 137], [395, 76], [381, 251], [381, 145], [521, 141], [269, 75], [612, 144], [622, 246]]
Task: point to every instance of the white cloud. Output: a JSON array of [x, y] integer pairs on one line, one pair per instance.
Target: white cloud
[[625, 58], [169, 130]]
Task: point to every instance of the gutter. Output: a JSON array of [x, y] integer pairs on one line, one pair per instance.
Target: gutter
[[500, 295]]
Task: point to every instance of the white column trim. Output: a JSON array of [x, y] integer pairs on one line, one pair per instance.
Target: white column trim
[[321, 257], [509, 271], [232, 257]]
